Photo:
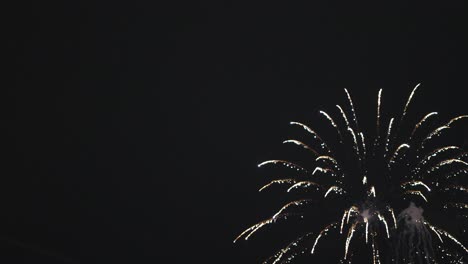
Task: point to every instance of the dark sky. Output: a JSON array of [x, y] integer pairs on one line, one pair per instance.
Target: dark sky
[[134, 128]]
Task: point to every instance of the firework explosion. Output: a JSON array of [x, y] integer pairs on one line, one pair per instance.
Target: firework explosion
[[376, 185]]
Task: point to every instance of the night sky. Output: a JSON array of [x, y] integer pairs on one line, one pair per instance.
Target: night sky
[[133, 129]]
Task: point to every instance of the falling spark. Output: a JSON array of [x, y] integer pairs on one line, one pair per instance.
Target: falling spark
[[453, 120], [375, 252], [447, 162], [327, 158], [364, 180], [323, 170], [445, 233], [416, 183], [387, 141], [352, 210], [409, 101], [291, 204], [393, 216], [356, 147], [352, 109], [435, 154], [348, 239], [418, 193], [332, 122], [284, 163], [367, 229], [423, 120], [435, 231], [455, 174], [314, 134], [301, 144], [315, 243], [343, 114], [397, 153], [281, 181], [279, 256], [379, 100], [381, 218], [330, 159], [322, 233], [305, 184], [251, 230], [363, 145], [434, 133], [335, 189], [342, 221]]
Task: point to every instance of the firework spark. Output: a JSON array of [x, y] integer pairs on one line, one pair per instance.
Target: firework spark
[[370, 185]]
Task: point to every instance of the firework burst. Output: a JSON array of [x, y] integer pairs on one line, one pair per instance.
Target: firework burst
[[377, 183]]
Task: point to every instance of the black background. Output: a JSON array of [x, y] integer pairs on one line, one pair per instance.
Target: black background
[[134, 128]]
